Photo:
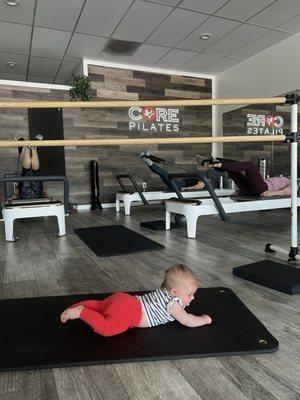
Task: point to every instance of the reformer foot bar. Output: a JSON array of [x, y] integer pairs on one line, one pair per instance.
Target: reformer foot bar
[[139, 196]]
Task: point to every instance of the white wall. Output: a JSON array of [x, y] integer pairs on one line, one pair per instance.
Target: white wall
[[272, 72]]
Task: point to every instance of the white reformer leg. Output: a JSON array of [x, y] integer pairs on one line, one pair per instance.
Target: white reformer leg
[[191, 225], [9, 228], [10, 214], [126, 198], [168, 221], [127, 204], [117, 205], [61, 221]]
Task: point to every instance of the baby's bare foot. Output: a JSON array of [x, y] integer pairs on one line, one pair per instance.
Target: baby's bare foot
[[71, 313], [207, 319]]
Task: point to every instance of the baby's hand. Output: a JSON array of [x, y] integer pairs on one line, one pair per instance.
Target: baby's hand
[[71, 313], [206, 319]]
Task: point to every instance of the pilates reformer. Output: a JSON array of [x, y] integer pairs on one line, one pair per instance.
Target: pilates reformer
[[193, 211], [31, 208], [138, 196]]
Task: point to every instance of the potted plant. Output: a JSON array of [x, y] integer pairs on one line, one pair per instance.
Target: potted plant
[[81, 88]]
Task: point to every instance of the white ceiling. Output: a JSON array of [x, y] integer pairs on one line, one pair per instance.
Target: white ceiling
[[47, 39]]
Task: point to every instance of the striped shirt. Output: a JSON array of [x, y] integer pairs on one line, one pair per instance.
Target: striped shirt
[[156, 306]]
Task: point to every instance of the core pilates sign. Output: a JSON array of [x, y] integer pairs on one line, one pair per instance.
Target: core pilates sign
[[153, 119], [258, 124]]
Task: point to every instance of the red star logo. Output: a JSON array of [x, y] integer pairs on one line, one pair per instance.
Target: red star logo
[[148, 114], [269, 120]]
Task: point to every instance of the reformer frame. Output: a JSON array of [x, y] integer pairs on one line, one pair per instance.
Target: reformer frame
[[11, 212], [128, 197], [193, 211]]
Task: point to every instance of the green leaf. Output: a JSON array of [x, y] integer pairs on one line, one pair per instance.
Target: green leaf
[[81, 88]]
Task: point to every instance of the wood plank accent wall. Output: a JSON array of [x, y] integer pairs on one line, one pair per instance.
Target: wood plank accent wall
[[108, 84], [278, 154]]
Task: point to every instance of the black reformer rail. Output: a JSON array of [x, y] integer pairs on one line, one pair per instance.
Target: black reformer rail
[[135, 185], [222, 213]]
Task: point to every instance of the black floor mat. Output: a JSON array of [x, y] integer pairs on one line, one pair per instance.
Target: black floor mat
[[158, 225], [32, 336], [281, 277], [113, 240]]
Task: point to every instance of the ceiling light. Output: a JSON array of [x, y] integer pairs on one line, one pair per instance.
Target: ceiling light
[[12, 2], [11, 64], [205, 36]]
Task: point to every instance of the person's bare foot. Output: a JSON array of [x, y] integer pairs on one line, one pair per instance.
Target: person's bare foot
[[216, 165], [206, 319], [71, 313], [199, 186]]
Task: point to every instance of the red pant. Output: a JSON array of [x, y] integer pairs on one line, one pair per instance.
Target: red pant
[[113, 315]]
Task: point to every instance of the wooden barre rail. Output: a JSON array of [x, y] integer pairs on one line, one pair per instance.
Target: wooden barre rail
[[116, 142], [132, 103]]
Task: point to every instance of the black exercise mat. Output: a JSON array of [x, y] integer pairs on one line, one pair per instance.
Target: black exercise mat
[[112, 240], [32, 336], [158, 225], [281, 277]]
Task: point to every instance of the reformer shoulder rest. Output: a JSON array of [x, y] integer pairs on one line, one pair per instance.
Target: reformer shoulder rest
[[33, 204], [30, 201]]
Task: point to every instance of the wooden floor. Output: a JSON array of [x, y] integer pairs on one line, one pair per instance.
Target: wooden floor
[[40, 264]]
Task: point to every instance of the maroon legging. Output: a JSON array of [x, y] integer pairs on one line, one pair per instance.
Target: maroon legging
[[246, 176]]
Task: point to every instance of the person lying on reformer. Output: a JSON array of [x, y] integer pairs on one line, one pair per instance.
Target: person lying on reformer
[[183, 183], [248, 179], [122, 311], [30, 167]]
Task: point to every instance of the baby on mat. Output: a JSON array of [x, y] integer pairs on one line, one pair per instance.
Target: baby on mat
[[121, 311]]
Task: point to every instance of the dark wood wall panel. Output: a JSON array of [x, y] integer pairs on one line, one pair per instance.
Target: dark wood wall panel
[[109, 84]]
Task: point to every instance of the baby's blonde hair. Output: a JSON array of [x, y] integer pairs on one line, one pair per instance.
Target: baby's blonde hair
[[176, 274]]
